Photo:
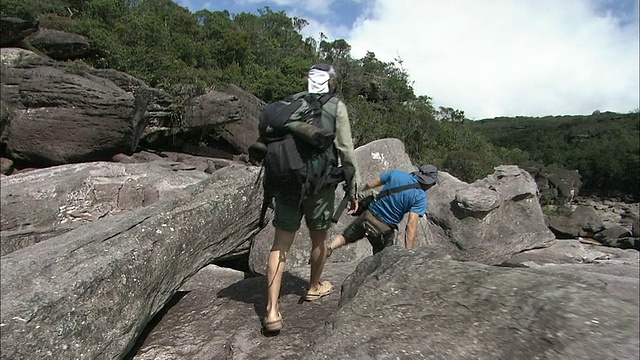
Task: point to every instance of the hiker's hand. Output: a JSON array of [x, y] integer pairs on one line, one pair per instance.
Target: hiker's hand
[[353, 206]]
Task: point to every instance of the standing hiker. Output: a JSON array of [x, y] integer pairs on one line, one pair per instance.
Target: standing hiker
[[307, 136], [402, 193]]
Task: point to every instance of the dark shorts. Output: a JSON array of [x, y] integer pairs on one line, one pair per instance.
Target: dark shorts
[[379, 234], [316, 209]]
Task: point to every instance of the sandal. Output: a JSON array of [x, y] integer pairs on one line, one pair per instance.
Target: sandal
[[273, 325], [324, 290]]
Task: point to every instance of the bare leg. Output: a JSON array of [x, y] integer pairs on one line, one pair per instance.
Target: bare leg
[[275, 269], [338, 242], [318, 257]]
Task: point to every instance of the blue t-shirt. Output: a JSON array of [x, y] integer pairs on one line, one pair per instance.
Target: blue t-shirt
[[391, 209]]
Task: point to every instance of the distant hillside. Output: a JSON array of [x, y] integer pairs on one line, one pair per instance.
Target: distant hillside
[[604, 147]]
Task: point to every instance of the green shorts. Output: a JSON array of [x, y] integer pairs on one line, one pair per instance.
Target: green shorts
[[379, 234], [317, 210]]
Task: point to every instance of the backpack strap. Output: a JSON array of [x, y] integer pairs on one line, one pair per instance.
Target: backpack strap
[[398, 189]]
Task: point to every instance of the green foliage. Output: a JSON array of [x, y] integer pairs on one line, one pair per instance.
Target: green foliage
[[603, 147]]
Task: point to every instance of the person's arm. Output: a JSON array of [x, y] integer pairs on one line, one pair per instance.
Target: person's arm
[[411, 230], [373, 184], [418, 209], [344, 144]]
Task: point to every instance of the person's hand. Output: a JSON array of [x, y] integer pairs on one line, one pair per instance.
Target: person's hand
[[353, 206]]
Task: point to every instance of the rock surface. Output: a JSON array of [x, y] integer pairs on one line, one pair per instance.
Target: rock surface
[[221, 319], [14, 30], [43, 203], [60, 45], [405, 304], [489, 220], [90, 292], [64, 115]]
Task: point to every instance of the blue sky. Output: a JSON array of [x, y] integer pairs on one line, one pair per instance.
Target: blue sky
[[488, 57]]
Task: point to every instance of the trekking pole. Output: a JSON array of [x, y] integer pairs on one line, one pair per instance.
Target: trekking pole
[[340, 209]]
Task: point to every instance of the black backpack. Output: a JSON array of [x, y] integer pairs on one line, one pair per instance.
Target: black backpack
[[296, 147]]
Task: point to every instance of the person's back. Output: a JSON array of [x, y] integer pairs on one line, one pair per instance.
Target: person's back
[[391, 209]]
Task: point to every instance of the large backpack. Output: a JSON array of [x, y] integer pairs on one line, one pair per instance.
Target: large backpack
[[298, 150]]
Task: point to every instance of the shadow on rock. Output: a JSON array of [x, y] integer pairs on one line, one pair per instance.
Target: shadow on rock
[[255, 294]]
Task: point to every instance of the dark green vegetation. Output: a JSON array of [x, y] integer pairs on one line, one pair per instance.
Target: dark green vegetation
[[186, 53], [604, 147]]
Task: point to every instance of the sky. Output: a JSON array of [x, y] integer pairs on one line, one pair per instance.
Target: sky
[[489, 58]]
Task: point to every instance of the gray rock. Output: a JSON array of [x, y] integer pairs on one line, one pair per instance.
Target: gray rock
[[220, 319], [41, 204], [406, 304], [6, 166], [60, 45], [489, 220], [231, 115], [161, 109], [569, 252], [14, 30], [63, 115], [583, 221], [612, 233], [90, 292]]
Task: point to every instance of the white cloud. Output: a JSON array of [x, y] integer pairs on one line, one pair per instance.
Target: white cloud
[[507, 58]]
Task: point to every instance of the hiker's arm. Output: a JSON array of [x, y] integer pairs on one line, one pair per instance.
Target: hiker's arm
[[344, 144], [373, 184], [411, 230]]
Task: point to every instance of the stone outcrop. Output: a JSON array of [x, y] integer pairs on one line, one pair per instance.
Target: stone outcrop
[[556, 185], [583, 221], [60, 45], [230, 116], [63, 115], [489, 220], [90, 292], [404, 304], [14, 30], [41, 204]]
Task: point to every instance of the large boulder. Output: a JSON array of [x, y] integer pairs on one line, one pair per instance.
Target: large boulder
[[14, 30], [60, 45], [226, 120], [489, 220], [89, 293], [161, 109], [412, 304], [582, 221], [373, 159], [557, 185], [64, 115], [41, 204]]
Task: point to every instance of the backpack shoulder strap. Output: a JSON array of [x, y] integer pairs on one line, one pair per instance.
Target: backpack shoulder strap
[[398, 189]]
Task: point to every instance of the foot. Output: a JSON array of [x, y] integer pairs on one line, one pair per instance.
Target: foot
[[273, 324], [321, 290]]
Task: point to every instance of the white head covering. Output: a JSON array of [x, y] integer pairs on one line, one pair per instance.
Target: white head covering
[[318, 78]]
